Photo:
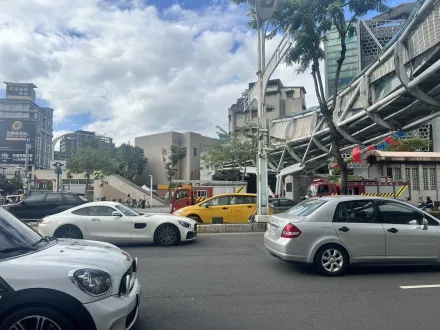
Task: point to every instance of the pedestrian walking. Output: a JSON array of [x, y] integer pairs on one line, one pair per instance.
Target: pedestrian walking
[[421, 203], [127, 201], [143, 202]]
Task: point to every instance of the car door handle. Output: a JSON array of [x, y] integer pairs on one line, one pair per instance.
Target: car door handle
[[95, 219], [224, 208], [392, 230], [344, 229]]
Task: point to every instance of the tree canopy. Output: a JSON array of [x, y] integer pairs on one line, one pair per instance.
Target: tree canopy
[[89, 161], [230, 151], [171, 158], [131, 161]]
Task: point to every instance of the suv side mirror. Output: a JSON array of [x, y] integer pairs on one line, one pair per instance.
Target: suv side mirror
[[424, 224], [116, 214], [207, 205]]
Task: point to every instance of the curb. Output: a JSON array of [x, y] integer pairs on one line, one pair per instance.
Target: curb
[[233, 228]]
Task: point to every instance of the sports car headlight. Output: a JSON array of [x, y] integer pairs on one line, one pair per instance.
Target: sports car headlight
[[91, 281], [185, 224]]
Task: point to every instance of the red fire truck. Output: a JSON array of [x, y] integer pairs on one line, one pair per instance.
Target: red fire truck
[[382, 187], [196, 192]]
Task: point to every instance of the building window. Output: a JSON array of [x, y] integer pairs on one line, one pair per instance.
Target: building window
[[415, 179], [425, 179], [397, 174], [407, 175], [195, 152], [289, 94], [433, 179], [202, 193], [254, 113]]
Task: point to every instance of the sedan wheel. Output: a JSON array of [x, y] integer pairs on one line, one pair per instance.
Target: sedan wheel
[[36, 317], [35, 322], [167, 235], [71, 232], [331, 261]]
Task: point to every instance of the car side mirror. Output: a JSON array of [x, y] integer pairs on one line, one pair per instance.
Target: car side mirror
[[413, 222], [207, 205], [116, 214], [424, 224]]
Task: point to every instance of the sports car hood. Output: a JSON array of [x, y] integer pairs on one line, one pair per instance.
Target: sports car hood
[[71, 254]]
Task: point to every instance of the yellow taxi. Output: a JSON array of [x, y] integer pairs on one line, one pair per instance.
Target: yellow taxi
[[224, 208]]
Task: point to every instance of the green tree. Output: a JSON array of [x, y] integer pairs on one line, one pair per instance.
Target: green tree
[[131, 161], [409, 145], [89, 160], [310, 21], [231, 151], [171, 158], [17, 182]]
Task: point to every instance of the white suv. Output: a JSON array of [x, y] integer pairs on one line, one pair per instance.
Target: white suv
[[46, 283]]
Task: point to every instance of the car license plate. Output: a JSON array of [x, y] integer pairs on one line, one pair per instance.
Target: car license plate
[[272, 231]]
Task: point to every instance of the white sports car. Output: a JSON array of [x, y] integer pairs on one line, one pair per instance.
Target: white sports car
[[115, 223]]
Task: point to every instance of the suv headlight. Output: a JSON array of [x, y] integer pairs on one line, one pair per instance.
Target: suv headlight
[[91, 281], [184, 224]]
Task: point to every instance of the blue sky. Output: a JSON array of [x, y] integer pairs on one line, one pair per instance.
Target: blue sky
[[150, 66]]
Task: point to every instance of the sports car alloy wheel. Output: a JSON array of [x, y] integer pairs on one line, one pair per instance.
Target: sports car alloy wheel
[[167, 235], [35, 322]]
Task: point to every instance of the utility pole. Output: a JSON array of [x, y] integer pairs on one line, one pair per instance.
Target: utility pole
[[264, 10], [26, 164], [58, 172]]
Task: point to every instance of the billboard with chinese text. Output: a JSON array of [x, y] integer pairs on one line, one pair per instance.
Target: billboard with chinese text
[[14, 135]]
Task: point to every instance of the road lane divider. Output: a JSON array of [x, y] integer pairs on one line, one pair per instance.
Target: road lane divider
[[405, 287]]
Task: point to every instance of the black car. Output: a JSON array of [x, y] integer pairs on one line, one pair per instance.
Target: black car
[[281, 205], [38, 206]]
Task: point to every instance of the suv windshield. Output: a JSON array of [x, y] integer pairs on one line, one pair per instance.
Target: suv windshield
[[127, 211], [15, 237], [306, 207]]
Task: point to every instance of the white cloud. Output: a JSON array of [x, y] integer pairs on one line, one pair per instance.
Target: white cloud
[[135, 71]]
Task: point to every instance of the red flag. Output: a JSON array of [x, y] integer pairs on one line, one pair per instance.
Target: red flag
[[356, 155], [389, 140], [370, 148]]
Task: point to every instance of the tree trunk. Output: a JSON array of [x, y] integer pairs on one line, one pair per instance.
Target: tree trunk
[[336, 150], [87, 184]]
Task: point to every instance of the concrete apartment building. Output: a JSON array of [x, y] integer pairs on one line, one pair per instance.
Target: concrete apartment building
[[193, 143], [280, 101], [22, 122], [70, 142]]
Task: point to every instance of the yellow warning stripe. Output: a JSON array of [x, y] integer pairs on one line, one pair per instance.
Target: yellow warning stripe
[[200, 199], [402, 190], [240, 190]]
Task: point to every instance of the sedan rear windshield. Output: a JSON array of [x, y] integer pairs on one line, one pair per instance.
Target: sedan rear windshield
[[306, 207]]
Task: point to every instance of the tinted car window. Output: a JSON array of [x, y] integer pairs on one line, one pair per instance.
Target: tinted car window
[[306, 207], [222, 200], [127, 211], [355, 212], [83, 211], [52, 198], [324, 189], [286, 202], [240, 200], [35, 199], [101, 211], [69, 199], [400, 214]]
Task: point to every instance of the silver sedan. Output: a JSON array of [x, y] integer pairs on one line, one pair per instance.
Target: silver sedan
[[333, 232]]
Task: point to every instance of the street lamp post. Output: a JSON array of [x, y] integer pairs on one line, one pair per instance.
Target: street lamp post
[[151, 190], [264, 10]]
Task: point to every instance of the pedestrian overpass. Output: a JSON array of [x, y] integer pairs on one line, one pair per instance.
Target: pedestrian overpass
[[398, 92]]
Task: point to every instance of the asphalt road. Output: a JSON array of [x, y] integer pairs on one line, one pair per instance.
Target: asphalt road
[[229, 281]]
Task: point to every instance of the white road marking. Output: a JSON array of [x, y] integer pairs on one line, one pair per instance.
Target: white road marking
[[420, 286]]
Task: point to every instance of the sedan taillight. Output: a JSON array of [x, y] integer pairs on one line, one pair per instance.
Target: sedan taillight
[[290, 231]]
